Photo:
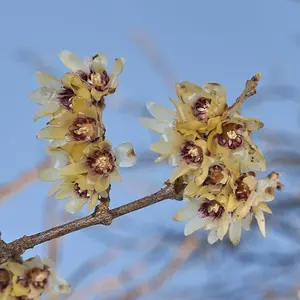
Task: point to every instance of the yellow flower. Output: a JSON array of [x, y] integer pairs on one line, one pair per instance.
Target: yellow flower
[[231, 142], [100, 163], [212, 182], [94, 72], [199, 109], [187, 153], [79, 127], [77, 190], [34, 276], [55, 95], [162, 118], [208, 212]]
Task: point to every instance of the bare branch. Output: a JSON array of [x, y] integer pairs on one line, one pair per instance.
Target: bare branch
[[102, 215]]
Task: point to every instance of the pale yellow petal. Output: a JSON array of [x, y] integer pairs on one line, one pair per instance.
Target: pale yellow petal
[[53, 133], [46, 110], [118, 66], [179, 171], [187, 212], [49, 174], [73, 62], [235, 231], [48, 80], [73, 169], [260, 218], [194, 224]]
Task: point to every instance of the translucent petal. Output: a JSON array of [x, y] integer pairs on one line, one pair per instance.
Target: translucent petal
[[73, 62], [93, 201], [115, 176], [193, 225], [43, 95], [187, 212], [162, 147], [102, 184], [125, 156], [59, 159], [74, 205], [118, 66], [174, 160], [212, 237], [100, 62], [160, 112], [235, 232], [46, 110], [191, 189], [52, 133], [17, 269], [73, 169], [246, 222], [63, 195], [260, 218], [48, 80], [179, 171], [49, 174], [54, 188], [154, 124]]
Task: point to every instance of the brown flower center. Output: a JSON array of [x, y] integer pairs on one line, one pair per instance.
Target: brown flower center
[[65, 96], [232, 136], [82, 75], [191, 153], [242, 191], [84, 129], [102, 162], [211, 209], [4, 279], [200, 108], [81, 193], [39, 278], [215, 175], [100, 80]]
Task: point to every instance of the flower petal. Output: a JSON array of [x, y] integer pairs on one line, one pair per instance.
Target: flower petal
[[179, 171], [48, 80], [235, 232], [212, 237], [193, 225], [160, 112], [154, 124], [125, 156], [74, 205], [49, 174], [73, 62], [93, 201], [187, 212], [260, 218], [102, 184], [43, 95], [73, 169], [46, 110], [54, 188], [118, 66], [52, 133]]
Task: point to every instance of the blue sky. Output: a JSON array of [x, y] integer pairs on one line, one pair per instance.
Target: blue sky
[[220, 41]]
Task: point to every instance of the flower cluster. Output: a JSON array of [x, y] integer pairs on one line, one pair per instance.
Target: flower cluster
[[210, 145], [83, 162], [25, 280]]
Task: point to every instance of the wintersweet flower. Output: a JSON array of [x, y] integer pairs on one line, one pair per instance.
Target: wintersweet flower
[[55, 95], [33, 277], [81, 126], [94, 71], [77, 191], [186, 153], [100, 163], [199, 109], [231, 142], [208, 212]]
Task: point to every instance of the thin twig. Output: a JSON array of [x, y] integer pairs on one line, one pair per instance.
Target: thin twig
[[102, 216]]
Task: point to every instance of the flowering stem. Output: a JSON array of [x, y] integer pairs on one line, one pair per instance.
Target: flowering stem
[[102, 215]]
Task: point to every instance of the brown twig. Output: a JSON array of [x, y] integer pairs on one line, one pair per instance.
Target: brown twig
[[22, 180], [249, 90], [102, 216]]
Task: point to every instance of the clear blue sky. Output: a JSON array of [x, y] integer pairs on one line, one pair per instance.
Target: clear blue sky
[[220, 41]]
